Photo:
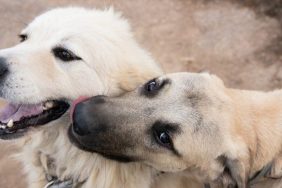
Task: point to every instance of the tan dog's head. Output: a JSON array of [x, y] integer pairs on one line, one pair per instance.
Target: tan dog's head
[[174, 123], [66, 53]]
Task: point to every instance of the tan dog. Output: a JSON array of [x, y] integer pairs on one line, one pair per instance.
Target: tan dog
[[190, 124]]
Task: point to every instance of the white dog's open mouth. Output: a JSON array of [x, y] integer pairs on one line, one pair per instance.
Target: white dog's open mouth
[[17, 118]]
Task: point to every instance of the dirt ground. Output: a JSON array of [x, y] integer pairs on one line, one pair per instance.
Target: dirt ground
[[241, 41]]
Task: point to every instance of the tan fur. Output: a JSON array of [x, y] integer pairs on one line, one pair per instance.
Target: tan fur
[[256, 127], [260, 125], [219, 135]]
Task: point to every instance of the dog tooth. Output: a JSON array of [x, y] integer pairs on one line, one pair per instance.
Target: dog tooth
[[2, 126], [10, 123], [47, 105]]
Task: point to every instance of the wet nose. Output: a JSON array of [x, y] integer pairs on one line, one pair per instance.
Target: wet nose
[[3, 68], [87, 117]]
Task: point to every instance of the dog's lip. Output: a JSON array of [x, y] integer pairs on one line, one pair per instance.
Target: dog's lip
[[79, 144], [76, 102], [20, 126]]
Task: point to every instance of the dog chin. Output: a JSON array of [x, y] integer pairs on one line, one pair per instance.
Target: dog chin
[[116, 157]]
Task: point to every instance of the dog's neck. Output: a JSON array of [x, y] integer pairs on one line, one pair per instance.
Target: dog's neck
[[258, 122]]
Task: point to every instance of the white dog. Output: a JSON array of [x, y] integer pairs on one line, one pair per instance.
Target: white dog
[[66, 53]]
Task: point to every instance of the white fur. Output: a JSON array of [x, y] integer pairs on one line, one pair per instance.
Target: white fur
[[112, 63]]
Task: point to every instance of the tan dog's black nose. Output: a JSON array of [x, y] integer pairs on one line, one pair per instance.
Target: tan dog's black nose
[[96, 128], [3, 68], [83, 124]]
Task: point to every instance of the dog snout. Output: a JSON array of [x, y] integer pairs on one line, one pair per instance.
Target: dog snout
[[88, 117], [3, 68], [80, 126], [99, 99]]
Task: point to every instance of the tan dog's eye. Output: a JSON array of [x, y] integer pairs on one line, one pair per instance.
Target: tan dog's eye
[[23, 37], [163, 139], [151, 86], [163, 132]]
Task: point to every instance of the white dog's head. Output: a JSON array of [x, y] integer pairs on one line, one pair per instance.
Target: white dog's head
[[66, 53]]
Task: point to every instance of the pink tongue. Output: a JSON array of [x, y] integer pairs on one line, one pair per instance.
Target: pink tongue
[[18, 111], [75, 102]]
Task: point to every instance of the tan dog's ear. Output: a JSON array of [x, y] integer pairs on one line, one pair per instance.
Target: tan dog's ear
[[217, 80], [275, 171], [234, 175], [213, 78], [238, 172]]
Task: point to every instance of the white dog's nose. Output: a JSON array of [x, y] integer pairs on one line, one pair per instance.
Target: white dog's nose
[[3, 68]]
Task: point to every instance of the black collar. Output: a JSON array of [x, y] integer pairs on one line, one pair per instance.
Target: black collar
[[54, 182]]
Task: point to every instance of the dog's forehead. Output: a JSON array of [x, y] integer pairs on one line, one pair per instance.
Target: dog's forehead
[[69, 22], [187, 80]]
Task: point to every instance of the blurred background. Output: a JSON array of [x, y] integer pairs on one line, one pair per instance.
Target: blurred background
[[240, 41]]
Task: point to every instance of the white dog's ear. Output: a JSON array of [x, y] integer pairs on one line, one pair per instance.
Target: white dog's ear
[[131, 77]]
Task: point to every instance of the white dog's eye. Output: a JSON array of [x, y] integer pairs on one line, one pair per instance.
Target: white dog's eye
[[23, 37], [64, 54]]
